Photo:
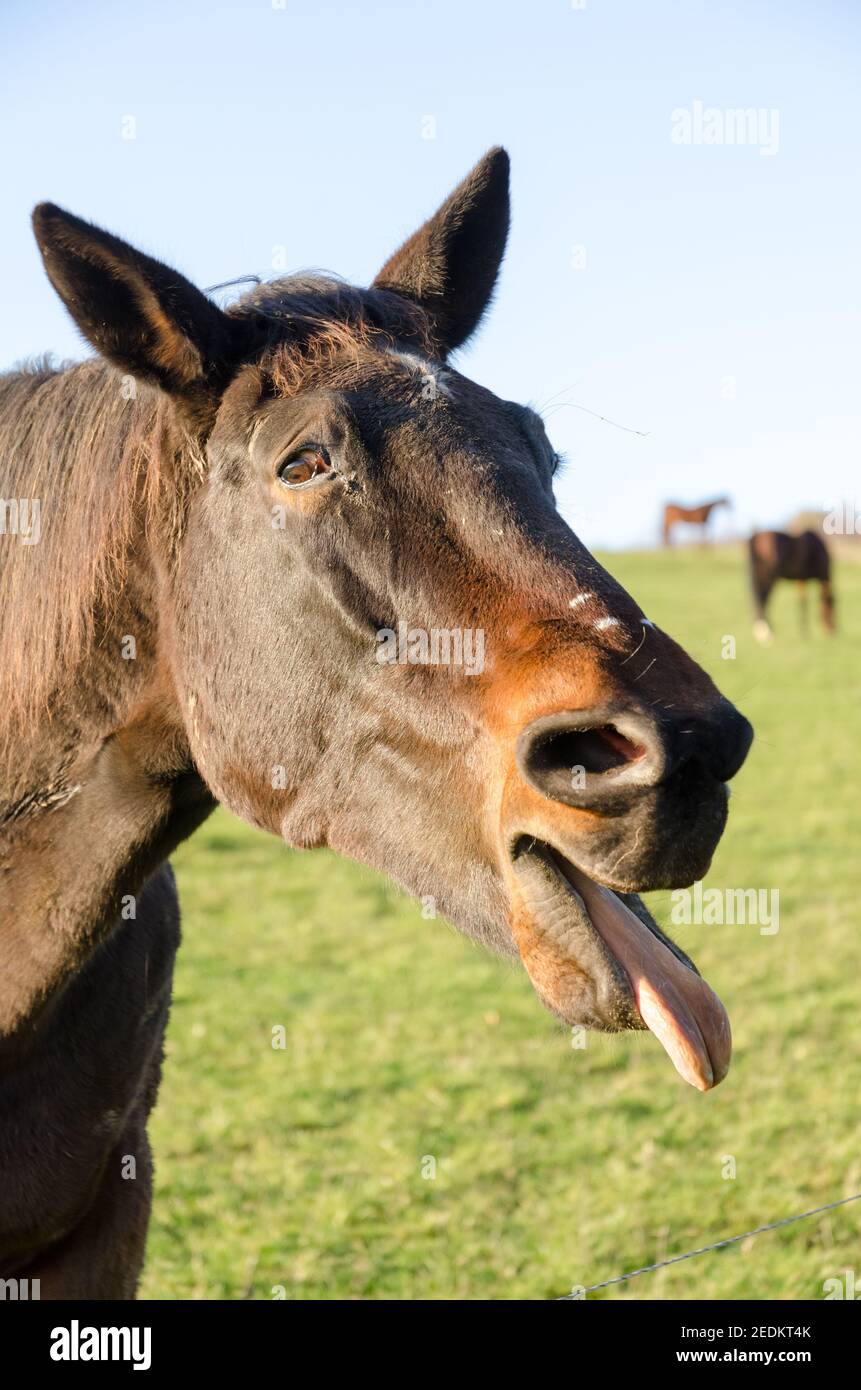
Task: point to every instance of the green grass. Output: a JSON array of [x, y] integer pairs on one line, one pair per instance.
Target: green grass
[[302, 1167]]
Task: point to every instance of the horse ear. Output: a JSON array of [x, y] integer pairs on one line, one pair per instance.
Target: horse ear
[[142, 316], [449, 266]]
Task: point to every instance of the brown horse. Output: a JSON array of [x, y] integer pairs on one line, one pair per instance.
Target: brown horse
[[774, 555], [693, 516], [256, 528]]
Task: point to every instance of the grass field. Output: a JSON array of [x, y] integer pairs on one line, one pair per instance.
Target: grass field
[[304, 1167]]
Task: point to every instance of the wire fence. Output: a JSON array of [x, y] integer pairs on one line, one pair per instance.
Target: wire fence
[[704, 1249]]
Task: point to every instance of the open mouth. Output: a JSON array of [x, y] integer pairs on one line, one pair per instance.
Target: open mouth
[[595, 961]]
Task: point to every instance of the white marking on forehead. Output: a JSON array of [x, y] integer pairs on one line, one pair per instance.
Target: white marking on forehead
[[423, 367], [414, 361], [603, 623], [576, 601]]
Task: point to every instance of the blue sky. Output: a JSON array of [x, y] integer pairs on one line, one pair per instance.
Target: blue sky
[[705, 294]]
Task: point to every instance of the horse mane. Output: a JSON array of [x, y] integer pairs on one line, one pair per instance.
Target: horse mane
[[103, 469], [74, 444]]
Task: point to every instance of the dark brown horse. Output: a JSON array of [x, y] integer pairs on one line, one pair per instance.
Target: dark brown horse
[[255, 525], [774, 555], [693, 516]]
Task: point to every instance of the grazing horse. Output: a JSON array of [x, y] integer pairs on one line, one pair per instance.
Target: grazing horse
[[774, 555], [693, 516], [242, 511]]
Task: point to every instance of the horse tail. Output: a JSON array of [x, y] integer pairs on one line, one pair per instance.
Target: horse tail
[[825, 554], [826, 588]]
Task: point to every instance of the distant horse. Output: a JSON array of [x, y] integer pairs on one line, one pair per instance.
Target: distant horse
[[239, 505], [774, 555], [693, 516]]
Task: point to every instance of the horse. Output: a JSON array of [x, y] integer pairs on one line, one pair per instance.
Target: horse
[[237, 504], [774, 555], [693, 516]]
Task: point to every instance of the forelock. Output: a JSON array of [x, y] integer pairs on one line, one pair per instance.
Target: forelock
[[314, 323]]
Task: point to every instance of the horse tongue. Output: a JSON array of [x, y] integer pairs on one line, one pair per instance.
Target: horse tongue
[[674, 1002]]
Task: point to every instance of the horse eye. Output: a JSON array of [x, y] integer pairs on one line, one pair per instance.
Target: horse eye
[[303, 465]]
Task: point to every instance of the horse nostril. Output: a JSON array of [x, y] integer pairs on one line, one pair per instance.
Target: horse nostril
[[594, 750], [605, 759], [590, 758]]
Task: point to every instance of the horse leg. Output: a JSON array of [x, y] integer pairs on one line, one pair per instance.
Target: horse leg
[[103, 1256], [826, 603], [762, 630], [802, 608], [762, 576]]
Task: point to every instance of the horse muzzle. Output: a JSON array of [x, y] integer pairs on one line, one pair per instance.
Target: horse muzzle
[[608, 802]]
